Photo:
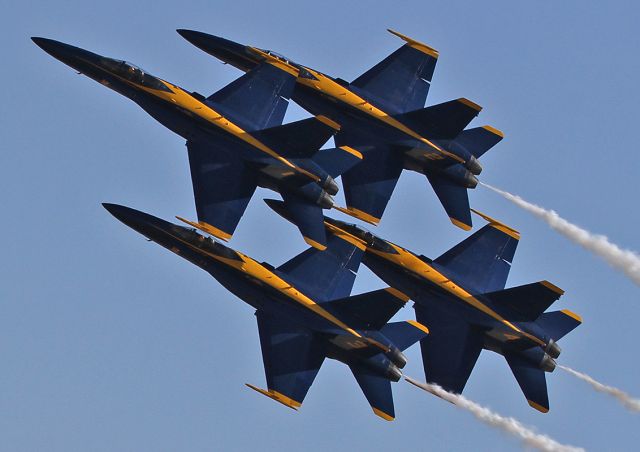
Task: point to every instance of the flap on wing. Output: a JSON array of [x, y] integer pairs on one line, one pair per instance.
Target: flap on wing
[[525, 303], [450, 351], [222, 188], [292, 358], [401, 81], [258, 99]]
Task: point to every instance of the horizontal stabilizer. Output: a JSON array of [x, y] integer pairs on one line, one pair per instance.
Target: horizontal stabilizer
[[401, 81], [454, 198], [329, 274], [308, 218], [292, 358], [532, 382], [525, 303], [558, 324], [368, 311], [443, 121], [404, 334], [222, 188], [299, 139], [451, 350], [256, 100], [336, 161], [483, 260], [377, 390], [368, 185], [476, 141]]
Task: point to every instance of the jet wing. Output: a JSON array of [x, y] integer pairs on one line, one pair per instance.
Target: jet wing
[[368, 185], [222, 188], [400, 82], [377, 390], [258, 99], [454, 198], [292, 358], [451, 349], [308, 218], [532, 381]]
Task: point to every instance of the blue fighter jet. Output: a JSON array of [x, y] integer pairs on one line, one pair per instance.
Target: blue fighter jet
[[382, 115], [461, 298], [235, 138], [304, 310]]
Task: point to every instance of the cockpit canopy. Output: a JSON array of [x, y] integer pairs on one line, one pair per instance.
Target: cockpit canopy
[[132, 73], [302, 71]]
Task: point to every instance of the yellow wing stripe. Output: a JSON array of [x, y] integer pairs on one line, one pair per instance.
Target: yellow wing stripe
[[359, 214], [396, 293], [552, 287], [460, 224], [538, 407], [382, 414], [494, 131], [418, 325], [277, 396], [415, 44], [573, 315], [323, 119], [499, 225], [352, 151]]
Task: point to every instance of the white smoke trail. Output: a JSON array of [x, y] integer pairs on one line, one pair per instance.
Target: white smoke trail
[[506, 424], [626, 261], [629, 402]]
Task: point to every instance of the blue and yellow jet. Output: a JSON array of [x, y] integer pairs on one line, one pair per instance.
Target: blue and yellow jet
[[461, 298], [382, 115], [235, 138], [304, 309]]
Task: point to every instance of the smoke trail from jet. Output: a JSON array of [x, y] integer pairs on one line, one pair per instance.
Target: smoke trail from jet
[[626, 261], [629, 402], [506, 424]]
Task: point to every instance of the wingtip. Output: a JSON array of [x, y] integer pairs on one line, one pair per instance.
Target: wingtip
[[537, 406], [498, 225], [383, 415], [460, 224], [415, 44]]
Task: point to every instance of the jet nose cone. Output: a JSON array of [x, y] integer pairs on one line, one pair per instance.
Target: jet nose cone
[[68, 54], [200, 39], [224, 49], [49, 45], [122, 213]]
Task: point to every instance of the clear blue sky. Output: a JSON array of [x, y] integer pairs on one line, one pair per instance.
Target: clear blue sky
[[108, 342]]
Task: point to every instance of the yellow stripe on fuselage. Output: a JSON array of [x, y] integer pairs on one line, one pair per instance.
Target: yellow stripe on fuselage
[[425, 271], [267, 277], [186, 101], [338, 92]]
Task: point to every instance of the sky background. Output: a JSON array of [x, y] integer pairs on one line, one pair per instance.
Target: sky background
[[109, 342]]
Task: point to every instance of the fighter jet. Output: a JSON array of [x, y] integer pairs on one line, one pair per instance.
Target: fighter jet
[[304, 310], [235, 140], [461, 298], [381, 115]]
